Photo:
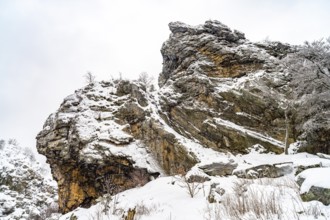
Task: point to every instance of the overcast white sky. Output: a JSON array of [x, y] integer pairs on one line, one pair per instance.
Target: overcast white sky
[[46, 46]]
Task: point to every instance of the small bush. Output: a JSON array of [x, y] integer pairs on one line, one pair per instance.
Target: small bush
[[190, 185], [90, 78], [29, 153], [143, 210], [146, 80], [263, 199], [2, 144], [13, 141], [46, 213]]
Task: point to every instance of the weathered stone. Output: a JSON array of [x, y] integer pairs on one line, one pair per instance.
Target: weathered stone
[[81, 138], [201, 64], [197, 179], [219, 169], [130, 214], [167, 150], [77, 142], [125, 87], [131, 113], [301, 168], [324, 156], [317, 193], [265, 170], [80, 186], [314, 185]]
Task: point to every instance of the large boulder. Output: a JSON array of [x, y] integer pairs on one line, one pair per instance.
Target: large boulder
[[219, 168], [265, 171], [315, 185], [92, 141]]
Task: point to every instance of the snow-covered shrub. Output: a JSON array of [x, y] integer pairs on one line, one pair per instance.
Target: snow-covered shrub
[[46, 213], [190, 185], [13, 141], [29, 153], [146, 80], [309, 87], [143, 210], [265, 198], [25, 193], [98, 215], [90, 78], [2, 144]]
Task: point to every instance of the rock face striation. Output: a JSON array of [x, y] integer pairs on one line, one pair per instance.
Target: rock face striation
[[91, 143], [217, 91], [230, 93]]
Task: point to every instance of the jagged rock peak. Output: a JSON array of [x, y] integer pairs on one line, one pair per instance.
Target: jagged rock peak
[[215, 50], [211, 27]]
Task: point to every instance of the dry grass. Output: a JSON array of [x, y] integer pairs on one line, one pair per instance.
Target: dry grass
[[254, 199], [143, 210], [98, 215], [247, 200]]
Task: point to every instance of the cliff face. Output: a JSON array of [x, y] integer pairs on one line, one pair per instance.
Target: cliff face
[[92, 143], [222, 82], [217, 91], [231, 93]]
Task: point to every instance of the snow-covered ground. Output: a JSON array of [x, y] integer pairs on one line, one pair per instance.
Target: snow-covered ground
[[319, 177], [167, 197]]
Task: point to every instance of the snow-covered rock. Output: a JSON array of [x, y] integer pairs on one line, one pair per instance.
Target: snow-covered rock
[[229, 93], [315, 184], [220, 96], [27, 190]]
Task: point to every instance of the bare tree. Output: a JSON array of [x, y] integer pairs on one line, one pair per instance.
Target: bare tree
[[29, 153], [145, 79], [309, 76], [286, 105], [309, 68], [13, 141], [90, 78], [191, 186]]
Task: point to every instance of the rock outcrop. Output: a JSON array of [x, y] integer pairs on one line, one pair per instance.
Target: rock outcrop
[[90, 143], [217, 91], [219, 169], [222, 84], [230, 93], [265, 171], [314, 185]]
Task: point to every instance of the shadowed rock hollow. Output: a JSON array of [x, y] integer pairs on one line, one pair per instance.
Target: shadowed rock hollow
[[217, 90]]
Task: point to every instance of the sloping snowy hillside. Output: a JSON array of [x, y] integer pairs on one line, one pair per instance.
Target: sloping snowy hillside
[[226, 197]]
